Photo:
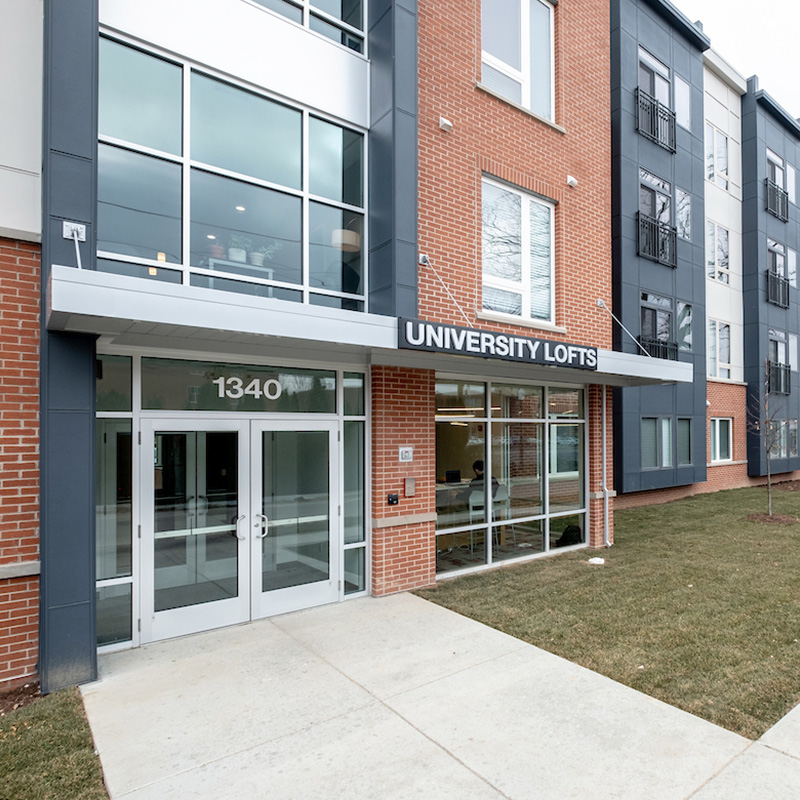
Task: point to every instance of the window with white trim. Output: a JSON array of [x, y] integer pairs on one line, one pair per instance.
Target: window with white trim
[[517, 52], [718, 262], [721, 439], [517, 252], [716, 156], [782, 438], [719, 349], [775, 169], [656, 442]]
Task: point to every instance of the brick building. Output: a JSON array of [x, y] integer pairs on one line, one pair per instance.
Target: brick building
[[315, 320]]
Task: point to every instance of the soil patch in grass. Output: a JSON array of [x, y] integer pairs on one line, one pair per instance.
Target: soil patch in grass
[[696, 605], [47, 752], [18, 697]]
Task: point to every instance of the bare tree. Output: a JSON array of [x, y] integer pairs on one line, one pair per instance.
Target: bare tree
[[763, 417]]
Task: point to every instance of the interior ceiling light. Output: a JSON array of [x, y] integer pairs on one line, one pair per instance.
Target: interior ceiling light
[[210, 236], [240, 208]]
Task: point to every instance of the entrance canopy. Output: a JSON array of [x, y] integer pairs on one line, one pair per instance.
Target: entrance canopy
[[133, 312]]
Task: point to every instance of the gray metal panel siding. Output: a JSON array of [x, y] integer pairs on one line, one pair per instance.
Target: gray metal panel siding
[[67, 641], [635, 23], [762, 129], [393, 158]]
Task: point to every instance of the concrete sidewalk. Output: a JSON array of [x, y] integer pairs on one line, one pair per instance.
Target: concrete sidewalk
[[398, 698]]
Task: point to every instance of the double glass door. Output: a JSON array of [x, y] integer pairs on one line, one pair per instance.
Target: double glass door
[[238, 522]]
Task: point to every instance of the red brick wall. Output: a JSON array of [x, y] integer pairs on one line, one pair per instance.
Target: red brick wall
[[19, 454], [403, 555], [492, 137], [594, 399]]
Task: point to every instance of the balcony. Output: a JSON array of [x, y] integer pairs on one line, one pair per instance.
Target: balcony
[[655, 121], [780, 381], [777, 289], [660, 349], [777, 200], [657, 241]]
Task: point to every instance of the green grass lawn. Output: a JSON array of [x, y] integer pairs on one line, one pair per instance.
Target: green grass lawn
[[695, 605], [46, 752]]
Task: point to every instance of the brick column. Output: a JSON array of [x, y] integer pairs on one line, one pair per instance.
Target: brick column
[[594, 399], [19, 460], [403, 538]]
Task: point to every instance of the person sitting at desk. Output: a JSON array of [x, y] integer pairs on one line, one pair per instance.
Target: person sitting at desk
[[479, 481]]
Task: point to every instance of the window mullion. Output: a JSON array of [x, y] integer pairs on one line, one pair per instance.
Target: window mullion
[[305, 227], [525, 256], [525, 51], [186, 175]]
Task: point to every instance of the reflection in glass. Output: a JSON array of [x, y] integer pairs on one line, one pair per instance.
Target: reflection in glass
[[517, 539], [196, 506], [516, 401], [140, 98], [287, 10], [241, 228], [138, 205], [342, 303], [567, 531], [113, 383], [348, 11], [354, 495], [245, 287], [335, 247], [566, 472], [334, 162], [295, 523], [161, 274], [113, 497], [353, 394], [460, 398], [517, 467], [242, 132], [114, 614], [336, 34], [565, 403], [459, 488], [355, 576]]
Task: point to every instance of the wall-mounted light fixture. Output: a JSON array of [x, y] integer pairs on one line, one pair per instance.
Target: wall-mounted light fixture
[[572, 181], [445, 124]]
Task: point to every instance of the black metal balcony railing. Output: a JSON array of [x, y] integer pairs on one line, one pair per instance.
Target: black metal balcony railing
[[657, 241], [655, 121], [780, 380], [777, 289], [777, 200], [660, 349]]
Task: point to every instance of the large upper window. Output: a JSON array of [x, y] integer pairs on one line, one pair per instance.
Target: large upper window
[[339, 20], [517, 253], [777, 196], [517, 42], [657, 237], [218, 196], [719, 349], [655, 119]]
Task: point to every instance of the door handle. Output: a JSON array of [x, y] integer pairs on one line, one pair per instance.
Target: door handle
[[263, 524], [236, 527]]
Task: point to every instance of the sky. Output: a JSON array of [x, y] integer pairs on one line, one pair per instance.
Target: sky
[[755, 38]]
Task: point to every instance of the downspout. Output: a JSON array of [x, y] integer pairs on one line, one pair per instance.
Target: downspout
[[606, 494]]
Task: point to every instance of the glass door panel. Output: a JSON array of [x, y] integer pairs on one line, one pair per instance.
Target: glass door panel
[[295, 556], [194, 550]]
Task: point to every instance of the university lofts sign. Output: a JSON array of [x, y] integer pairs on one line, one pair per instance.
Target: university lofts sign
[[415, 334]]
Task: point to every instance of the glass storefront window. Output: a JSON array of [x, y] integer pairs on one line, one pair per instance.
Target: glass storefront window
[[516, 401], [335, 249], [114, 614], [566, 531], [209, 386], [564, 403], [460, 399], [113, 383], [113, 492], [534, 469], [354, 570], [353, 394], [354, 494], [335, 162]]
